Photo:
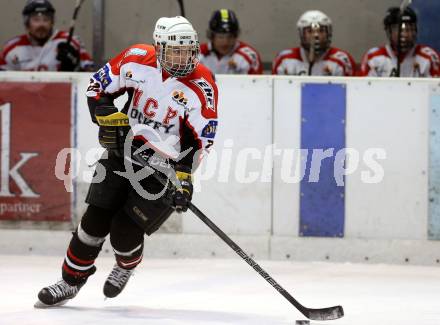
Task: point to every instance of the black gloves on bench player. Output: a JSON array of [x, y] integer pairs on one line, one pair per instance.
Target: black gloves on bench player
[[68, 57], [113, 128], [183, 194]]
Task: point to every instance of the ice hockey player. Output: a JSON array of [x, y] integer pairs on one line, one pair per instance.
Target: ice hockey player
[[415, 60], [225, 53], [315, 56], [43, 48], [169, 93]]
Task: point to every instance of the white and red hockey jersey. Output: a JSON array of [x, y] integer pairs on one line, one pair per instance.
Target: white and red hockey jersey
[[421, 61], [334, 62], [20, 54], [183, 107], [244, 59]]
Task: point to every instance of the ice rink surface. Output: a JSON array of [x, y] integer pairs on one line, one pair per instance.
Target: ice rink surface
[[184, 291]]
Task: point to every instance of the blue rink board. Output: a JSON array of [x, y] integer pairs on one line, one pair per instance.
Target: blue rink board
[[322, 203]]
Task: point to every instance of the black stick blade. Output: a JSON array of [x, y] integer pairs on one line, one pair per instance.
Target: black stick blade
[[329, 313]]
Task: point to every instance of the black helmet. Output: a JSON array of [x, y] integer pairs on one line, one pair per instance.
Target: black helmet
[[38, 6], [223, 21], [392, 16], [407, 18]]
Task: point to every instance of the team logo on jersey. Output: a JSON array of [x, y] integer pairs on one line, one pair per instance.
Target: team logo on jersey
[[129, 76], [179, 98], [15, 60], [210, 129], [208, 93], [136, 51], [103, 76]]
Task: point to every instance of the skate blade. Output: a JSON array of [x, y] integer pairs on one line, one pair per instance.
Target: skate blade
[[41, 305]]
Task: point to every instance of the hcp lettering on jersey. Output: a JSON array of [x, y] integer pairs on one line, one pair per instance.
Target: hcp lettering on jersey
[[136, 51], [103, 76], [210, 129]]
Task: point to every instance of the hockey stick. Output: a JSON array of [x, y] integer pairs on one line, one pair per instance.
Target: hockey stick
[[182, 7], [73, 22], [403, 5], [329, 313]]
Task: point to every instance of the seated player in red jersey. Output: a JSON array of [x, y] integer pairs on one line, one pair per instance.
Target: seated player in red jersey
[[401, 56], [42, 48], [315, 56], [225, 53]]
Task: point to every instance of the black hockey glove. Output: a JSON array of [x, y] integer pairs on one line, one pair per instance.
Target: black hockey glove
[[68, 57], [113, 128], [183, 194]]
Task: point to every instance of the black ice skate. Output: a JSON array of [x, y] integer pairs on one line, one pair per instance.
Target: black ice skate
[[57, 294], [116, 281]]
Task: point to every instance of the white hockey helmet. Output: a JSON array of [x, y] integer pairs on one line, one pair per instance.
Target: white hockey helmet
[[315, 20], [177, 45]]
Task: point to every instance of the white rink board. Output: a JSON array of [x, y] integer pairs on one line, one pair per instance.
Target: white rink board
[[245, 117], [258, 111], [392, 115], [287, 131], [387, 114]]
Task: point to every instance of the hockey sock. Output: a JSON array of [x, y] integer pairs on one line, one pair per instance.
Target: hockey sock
[[129, 260], [80, 257]]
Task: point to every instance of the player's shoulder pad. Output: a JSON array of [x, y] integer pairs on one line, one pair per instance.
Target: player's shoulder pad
[[14, 42], [289, 53], [341, 55], [201, 82], [247, 50], [138, 53], [377, 51], [427, 50], [60, 34]]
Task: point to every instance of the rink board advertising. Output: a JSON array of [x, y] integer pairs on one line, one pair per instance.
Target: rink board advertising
[[35, 124]]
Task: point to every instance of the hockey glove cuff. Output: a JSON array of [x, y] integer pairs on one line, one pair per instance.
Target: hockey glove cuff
[[113, 128], [184, 192]]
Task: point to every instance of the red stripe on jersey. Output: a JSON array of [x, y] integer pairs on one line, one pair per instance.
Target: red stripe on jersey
[[129, 55], [331, 56], [338, 62], [418, 51], [434, 70], [2, 60], [19, 41], [380, 51], [84, 56], [294, 53], [204, 49], [78, 260], [249, 59], [64, 35], [365, 66]]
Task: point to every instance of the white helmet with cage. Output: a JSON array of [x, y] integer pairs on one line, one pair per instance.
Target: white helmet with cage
[[177, 45], [315, 21]]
